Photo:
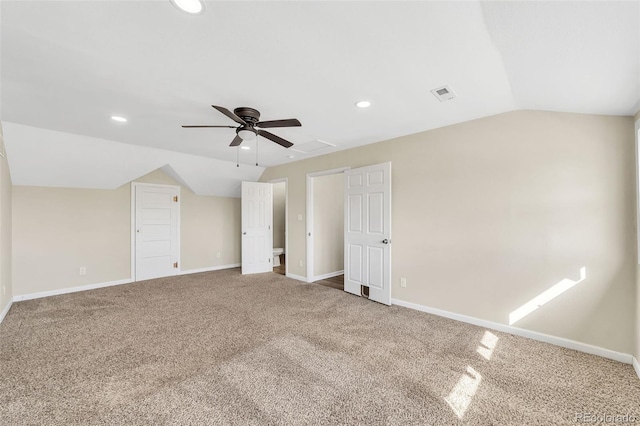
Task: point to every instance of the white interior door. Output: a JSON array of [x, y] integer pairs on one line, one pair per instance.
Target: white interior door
[[157, 243], [367, 231], [257, 227]]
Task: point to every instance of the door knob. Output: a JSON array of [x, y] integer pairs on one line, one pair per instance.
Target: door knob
[[385, 241], [244, 233]]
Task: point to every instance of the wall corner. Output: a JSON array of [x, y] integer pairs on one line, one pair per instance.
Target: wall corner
[[6, 287]]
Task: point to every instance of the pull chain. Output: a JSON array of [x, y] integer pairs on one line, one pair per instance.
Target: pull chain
[[238, 157], [256, 150]]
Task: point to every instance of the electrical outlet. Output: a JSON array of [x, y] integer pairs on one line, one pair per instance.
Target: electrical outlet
[[218, 255], [299, 217], [83, 271], [403, 282], [300, 264]]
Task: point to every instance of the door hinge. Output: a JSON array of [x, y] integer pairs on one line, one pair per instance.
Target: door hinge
[[269, 260], [175, 264], [175, 199]]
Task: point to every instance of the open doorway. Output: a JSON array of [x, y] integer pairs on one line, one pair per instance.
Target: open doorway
[[325, 228], [280, 226]]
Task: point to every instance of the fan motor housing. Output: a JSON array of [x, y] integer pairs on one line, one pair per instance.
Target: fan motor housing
[[250, 115]]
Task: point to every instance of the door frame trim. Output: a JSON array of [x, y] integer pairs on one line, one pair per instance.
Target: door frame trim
[[134, 185], [286, 218], [309, 212]]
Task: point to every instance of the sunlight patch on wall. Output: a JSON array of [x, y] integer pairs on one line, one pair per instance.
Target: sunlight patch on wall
[[487, 345], [545, 297], [462, 394]]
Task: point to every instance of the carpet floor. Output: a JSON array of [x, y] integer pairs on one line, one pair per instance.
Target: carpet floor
[[222, 348]]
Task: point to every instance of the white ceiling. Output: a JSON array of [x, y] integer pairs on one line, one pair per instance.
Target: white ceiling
[[68, 66]]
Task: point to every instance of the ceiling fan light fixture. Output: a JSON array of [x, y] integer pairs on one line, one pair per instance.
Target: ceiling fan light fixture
[[246, 135], [363, 104], [194, 7], [250, 126]]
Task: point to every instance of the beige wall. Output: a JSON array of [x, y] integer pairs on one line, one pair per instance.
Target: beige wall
[[637, 333], [58, 230], [328, 224], [279, 202], [6, 288], [209, 225], [490, 213]]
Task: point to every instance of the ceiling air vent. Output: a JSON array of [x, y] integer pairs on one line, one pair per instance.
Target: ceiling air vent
[[313, 146], [443, 93]]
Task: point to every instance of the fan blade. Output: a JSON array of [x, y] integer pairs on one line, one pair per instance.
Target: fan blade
[[291, 122], [274, 138], [193, 127], [236, 141], [230, 114]]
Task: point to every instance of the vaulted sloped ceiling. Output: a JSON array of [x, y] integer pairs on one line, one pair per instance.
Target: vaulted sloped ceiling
[[86, 162], [569, 56], [67, 66]]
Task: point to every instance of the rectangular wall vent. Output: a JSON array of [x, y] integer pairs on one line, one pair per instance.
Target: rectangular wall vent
[[443, 93]]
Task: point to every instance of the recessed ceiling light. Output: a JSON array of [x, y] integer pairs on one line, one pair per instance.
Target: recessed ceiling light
[[190, 6], [245, 147], [118, 119], [363, 104]]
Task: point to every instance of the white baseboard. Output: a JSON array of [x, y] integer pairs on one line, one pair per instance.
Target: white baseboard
[[325, 276], [5, 311], [209, 269], [41, 294], [297, 277], [558, 341], [636, 366]]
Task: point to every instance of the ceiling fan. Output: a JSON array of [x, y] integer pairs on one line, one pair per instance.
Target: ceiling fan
[[250, 126]]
